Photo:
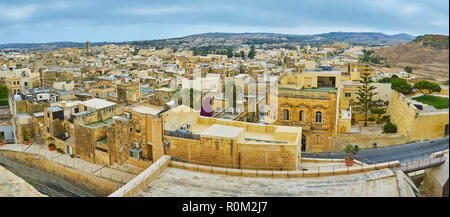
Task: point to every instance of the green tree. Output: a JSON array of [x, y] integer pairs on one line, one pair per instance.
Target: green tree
[[252, 52], [4, 93], [242, 54], [400, 85], [229, 53], [384, 80], [423, 86], [408, 69], [365, 99]]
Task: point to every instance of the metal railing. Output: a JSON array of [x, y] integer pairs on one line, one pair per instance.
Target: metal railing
[[333, 168], [64, 163]]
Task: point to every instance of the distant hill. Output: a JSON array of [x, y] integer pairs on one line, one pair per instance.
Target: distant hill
[[49, 46], [434, 41], [366, 38], [427, 54], [363, 38]]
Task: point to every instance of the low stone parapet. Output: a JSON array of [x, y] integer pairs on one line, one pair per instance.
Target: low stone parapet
[[143, 180], [316, 172]]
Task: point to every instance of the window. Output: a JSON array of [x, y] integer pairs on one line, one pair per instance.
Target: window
[[135, 153], [138, 128], [348, 94], [48, 129], [131, 129], [317, 139], [318, 117], [165, 97], [301, 115], [285, 114]]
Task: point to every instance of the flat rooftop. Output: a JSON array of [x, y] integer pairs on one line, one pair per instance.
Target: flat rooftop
[[174, 182], [222, 131], [97, 103], [100, 123], [144, 109], [426, 107]]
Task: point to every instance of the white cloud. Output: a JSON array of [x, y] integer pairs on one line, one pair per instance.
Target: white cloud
[[16, 13], [398, 7], [153, 11]]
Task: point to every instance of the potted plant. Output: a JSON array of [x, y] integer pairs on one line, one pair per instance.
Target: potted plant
[[51, 147], [2, 142], [60, 150], [26, 137], [349, 149]]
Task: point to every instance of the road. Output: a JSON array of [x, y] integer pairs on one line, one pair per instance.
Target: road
[[404, 153]]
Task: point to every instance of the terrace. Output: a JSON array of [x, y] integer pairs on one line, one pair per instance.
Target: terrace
[[429, 103]]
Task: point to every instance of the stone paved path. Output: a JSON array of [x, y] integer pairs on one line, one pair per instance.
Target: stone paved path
[[65, 159], [176, 182]]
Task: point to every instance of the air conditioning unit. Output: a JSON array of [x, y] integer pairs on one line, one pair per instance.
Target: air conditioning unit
[[127, 115], [136, 144]]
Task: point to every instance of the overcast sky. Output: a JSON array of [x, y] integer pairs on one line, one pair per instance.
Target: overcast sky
[[102, 20]]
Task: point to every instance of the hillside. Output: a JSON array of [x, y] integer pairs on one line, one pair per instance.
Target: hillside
[[236, 39], [428, 55]]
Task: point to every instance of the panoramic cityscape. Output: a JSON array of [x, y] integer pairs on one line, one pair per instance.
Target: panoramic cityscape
[[225, 99]]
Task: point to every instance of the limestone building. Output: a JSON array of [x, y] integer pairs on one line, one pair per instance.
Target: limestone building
[[193, 138]]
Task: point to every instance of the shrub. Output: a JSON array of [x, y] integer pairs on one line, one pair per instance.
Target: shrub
[[51, 145], [4, 101], [390, 128], [349, 149], [378, 111], [384, 80], [386, 118], [408, 69], [400, 85], [371, 119], [25, 135], [423, 86]]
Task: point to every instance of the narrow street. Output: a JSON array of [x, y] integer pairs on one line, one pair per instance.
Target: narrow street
[[404, 153]]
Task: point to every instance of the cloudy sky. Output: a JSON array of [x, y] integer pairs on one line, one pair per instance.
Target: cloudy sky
[[102, 20]]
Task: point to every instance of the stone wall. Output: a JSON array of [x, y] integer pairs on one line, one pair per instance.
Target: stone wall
[[141, 182], [418, 125], [435, 181], [228, 153], [365, 141]]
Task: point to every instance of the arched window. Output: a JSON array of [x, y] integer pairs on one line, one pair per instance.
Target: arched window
[[318, 117], [301, 115], [317, 139], [285, 114]]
